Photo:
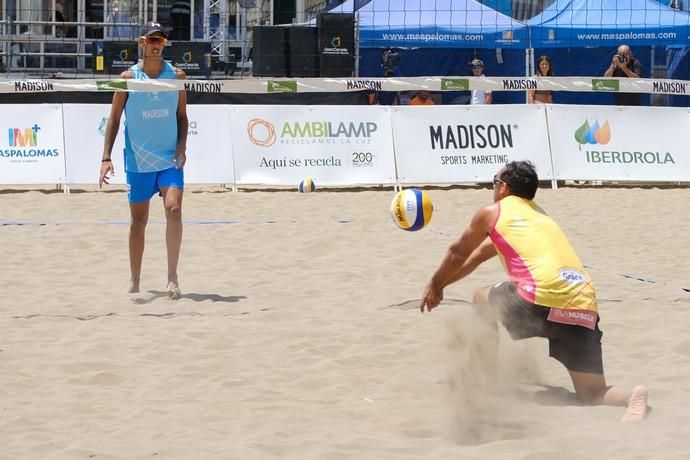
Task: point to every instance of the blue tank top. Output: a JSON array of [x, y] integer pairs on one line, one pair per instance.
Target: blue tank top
[[151, 125]]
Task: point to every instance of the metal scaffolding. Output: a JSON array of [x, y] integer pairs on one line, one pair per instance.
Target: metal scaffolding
[[215, 31], [29, 38]]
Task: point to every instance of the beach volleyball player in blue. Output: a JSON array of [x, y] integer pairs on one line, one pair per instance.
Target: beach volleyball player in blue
[[155, 152]]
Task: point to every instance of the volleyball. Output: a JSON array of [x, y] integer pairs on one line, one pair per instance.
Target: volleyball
[[306, 186], [411, 209]]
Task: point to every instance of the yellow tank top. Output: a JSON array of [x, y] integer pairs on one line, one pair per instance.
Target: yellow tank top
[[539, 259]]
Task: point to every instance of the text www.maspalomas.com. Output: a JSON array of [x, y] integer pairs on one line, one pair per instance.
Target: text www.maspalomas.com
[[628, 36], [432, 37]]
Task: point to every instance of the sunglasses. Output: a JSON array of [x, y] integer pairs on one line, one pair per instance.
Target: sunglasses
[[498, 181], [155, 40]]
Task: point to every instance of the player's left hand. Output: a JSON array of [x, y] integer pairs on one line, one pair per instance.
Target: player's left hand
[[180, 159]]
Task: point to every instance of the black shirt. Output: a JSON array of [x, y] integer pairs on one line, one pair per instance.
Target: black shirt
[[635, 65]]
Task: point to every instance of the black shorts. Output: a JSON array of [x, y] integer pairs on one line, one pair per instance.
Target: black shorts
[[578, 348]]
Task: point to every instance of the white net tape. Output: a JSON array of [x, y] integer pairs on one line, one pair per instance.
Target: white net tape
[[321, 85]]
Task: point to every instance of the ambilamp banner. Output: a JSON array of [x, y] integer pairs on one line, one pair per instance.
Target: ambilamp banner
[[334, 146]]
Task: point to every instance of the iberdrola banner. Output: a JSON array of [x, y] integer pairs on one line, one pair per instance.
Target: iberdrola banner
[[619, 143]]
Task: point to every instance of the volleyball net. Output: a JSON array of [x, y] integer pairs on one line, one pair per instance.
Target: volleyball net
[[329, 85], [401, 40]]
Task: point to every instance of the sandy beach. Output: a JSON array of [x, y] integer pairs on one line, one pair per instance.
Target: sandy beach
[[298, 334]]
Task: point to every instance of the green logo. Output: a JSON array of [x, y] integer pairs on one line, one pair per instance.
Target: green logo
[[455, 84], [111, 85], [283, 86], [599, 84]]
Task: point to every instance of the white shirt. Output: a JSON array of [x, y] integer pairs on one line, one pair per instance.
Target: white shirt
[[479, 96]]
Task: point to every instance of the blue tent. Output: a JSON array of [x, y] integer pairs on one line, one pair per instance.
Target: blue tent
[[583, 23], [434, 24]]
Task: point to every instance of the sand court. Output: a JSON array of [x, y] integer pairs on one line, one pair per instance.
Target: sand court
[[297, 333]]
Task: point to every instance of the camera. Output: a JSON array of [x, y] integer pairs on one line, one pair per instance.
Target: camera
[[621, 58], [389, 59]]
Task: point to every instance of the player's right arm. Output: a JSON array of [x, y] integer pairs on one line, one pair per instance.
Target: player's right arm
[[457, 256], [484, 252], [111, 129]]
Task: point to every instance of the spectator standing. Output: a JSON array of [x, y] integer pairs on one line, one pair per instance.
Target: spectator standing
[[479, 96], [625, 65], [544, 69]]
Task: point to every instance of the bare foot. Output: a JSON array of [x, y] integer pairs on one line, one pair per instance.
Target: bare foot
[[133, 287], [637, 407], [173, 290]]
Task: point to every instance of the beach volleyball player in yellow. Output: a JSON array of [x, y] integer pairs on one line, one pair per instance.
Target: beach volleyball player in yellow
[[549, 294]]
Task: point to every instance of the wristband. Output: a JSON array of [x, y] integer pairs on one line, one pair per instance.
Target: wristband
[[106, 161]]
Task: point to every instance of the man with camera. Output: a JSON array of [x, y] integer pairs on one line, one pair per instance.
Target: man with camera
[[389, 61], [625, 65]]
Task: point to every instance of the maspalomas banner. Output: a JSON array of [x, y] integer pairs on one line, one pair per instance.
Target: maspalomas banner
[[619, 143], [334, 146], [209, 154], [32, 147], [452, 144]]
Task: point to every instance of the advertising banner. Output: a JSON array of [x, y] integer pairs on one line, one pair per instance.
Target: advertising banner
[[209, 156], [32, 147], [619, 143], [336, 34], [115, 56], [209, 148], [334, 146], [189, 56], [453, 144], [84, 136]]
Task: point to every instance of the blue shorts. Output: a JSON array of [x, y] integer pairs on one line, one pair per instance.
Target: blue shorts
[[142, 186]]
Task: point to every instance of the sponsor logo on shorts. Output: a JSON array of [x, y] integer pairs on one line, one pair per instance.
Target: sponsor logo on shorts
[[584, 318], [571, 276]]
